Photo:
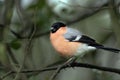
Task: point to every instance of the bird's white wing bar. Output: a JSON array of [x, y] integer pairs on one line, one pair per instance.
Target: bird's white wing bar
[[78, 37]]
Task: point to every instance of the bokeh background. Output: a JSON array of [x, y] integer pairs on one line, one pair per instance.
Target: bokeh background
[[25, 44]]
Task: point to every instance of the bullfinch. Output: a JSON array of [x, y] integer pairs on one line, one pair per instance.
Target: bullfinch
[[70, 42]]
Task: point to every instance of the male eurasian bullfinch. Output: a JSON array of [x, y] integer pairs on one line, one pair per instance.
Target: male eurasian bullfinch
[[70, 42]]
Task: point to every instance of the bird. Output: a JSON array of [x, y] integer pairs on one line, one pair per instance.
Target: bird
[[71, 42]]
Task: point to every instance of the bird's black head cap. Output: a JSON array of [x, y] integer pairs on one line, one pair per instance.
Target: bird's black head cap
[[56, 26]]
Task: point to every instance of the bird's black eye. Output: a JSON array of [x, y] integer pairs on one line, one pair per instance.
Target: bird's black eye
[[56, 26], [53, 30]]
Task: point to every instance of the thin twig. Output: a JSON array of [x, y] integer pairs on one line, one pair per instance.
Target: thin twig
[[7, 74], [75, 64], [17, 4], [1, 25], [68, 62], [28, 42], [26, 52], [96, 67], [115, 17], [26, 37], [29, 71], [56, 72], [20, 12], [11, 54]]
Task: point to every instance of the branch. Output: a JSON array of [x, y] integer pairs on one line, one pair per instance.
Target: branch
[[29, 41], [11, 54], [84, 65], [26, 37], [115, 17], [75, 64], [1, 25]]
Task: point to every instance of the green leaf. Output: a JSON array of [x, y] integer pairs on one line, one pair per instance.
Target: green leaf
[[15, 44]]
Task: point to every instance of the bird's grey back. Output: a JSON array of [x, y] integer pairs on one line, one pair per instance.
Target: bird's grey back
[[72, 33]]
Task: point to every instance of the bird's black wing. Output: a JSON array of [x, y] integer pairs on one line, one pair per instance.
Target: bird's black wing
[[85, 39]]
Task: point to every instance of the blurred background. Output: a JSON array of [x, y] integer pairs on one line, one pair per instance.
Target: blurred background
[[25, 44]]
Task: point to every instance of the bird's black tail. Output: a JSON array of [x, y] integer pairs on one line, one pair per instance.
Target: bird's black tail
[[108, 49]]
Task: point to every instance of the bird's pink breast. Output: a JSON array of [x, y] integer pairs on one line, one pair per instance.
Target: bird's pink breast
[[63, 46]]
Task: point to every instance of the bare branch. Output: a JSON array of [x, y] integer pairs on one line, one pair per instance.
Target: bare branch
[[75, 64], [29, 40], [1, 25], [7, 74], [11, 54], [115, 17], [26, 37]]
